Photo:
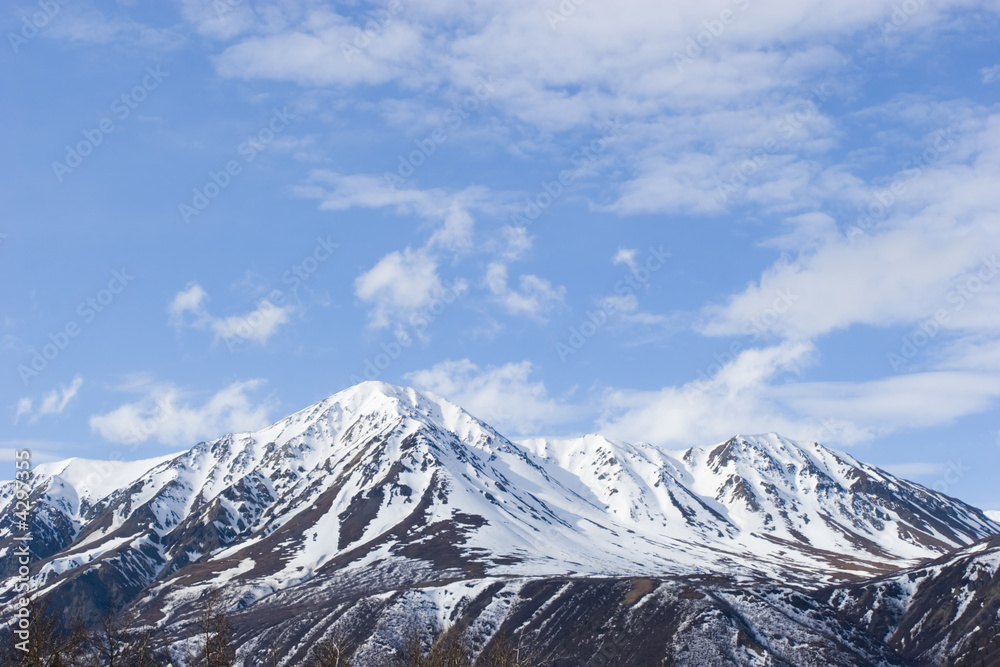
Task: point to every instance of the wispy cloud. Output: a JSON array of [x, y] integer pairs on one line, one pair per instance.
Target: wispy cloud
[[52, 403], [694, 119], [534, 296], [451, 212], [188, 309], [82, 24], [505, 397], [223, 19], [170, 415], [405, 281]]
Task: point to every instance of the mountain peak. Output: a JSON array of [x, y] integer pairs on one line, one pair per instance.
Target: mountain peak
[[379, 479], [382, 483], [769, 449], [387, 401], [373, 393]]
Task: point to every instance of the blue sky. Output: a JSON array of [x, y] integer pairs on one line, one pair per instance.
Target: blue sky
[[669, 222]]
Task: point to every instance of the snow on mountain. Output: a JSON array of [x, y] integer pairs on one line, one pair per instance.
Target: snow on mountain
[[379, 486], [75, 484], [993, 514], [765, 497], [943, 612], [805, 494]]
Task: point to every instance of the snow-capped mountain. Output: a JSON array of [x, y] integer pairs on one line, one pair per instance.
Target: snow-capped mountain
[[379, 488]]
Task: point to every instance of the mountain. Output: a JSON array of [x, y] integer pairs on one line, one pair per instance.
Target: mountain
[[945, 610], [381, 504]]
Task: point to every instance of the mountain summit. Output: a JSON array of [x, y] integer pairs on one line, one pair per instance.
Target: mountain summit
[[382, 488]]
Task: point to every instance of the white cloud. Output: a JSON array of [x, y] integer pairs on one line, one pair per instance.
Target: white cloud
[[752, 393], [504, 397], [594, 49], [934, 234], [456, 231], [24, 407], [86, 25], [708, 114], [990, 74], [404, 282], [687, 183], [755, 392], [892, 278], [807, 231], [56, 401], [314, 53], [517, 242], [930, 252], [625, 307], [451, 211], [166, 414], [535, 296], [586, 71], [913, 400], [258, 325], [734, 400], [627, 257], [42, 451], [221, 19], [401, 284], [191, 299], [52, 403], [693, 106]]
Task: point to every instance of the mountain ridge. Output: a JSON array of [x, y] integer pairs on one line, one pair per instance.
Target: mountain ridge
[[380, 488]]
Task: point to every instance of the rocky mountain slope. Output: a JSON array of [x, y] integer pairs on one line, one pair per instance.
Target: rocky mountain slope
[[385, 503]]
